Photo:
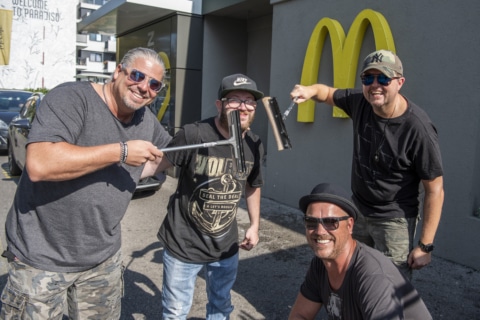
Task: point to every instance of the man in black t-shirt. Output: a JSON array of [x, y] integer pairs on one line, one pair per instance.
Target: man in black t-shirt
[[395, 150], [200, 229], [352, 280]]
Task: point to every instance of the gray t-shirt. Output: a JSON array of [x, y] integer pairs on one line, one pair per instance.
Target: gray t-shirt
[[71, 226], [373, 289]]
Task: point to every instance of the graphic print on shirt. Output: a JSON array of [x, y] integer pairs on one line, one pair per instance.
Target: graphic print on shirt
[[334, 307], [213, 204]]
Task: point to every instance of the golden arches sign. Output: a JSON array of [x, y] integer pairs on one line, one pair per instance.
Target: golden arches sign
[[166, 100], [345, 52]]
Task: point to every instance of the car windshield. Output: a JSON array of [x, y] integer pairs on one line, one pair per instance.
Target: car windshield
[[12, 101]]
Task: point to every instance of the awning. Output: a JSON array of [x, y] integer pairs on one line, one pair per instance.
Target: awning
[[119, 16], [93, 77]]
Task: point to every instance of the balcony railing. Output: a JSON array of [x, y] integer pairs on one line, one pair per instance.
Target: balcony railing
[[109, 66], [82, 38], [111, 46], [97, 2]]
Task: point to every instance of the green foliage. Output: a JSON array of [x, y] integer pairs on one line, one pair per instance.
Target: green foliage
[[42, 90]]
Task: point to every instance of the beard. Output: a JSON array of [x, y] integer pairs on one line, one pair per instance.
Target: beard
[[131, 105], [223, 120]]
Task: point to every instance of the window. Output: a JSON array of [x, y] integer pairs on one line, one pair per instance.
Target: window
[[95, 37], [95, 57]]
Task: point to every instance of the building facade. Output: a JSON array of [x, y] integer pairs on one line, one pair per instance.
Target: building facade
[[96, 52]]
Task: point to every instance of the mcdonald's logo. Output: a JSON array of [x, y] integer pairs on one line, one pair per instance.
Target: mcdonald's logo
[[345, 52], [166, 79]]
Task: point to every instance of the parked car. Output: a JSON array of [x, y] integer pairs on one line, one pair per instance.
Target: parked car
[[11, 101], [19, 129]]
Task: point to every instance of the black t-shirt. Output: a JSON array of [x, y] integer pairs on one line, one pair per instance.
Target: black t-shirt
[[407, 149], [373, 288], [201, 225]]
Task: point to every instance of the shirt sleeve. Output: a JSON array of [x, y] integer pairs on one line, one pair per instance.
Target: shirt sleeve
[[58, 118], [347, 100], [314, 278], [255, 179], [178, 158]]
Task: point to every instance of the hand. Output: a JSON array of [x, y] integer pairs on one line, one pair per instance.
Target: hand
[[140, 151], [301, 93], [251, 240], [418, 259]]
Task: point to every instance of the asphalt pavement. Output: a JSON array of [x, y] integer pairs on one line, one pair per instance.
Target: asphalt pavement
[[269, 276]]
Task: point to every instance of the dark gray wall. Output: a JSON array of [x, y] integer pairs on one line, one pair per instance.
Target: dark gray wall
[[236, 46], [180, 38], [224, 52], [437, 41]]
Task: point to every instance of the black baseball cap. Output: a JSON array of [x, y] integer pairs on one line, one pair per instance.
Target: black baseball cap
[[326, 192], [238, 81]]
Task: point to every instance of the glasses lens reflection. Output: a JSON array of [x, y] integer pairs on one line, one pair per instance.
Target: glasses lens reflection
[[138, 76], [381, 79]]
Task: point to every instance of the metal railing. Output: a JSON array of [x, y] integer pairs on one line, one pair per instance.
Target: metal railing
[[97, 2]]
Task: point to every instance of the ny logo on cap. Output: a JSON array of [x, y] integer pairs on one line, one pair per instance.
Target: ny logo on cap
[[378, 57], [240, 81]]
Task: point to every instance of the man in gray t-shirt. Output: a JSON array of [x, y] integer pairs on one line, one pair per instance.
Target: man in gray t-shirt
[[352, 280], [88, 147]]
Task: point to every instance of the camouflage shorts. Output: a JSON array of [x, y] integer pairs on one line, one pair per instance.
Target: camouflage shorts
[[36, 294], [394, 237]]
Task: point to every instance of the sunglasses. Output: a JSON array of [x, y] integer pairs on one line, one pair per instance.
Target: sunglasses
[[138, 76], [382, 79], [328, 224]]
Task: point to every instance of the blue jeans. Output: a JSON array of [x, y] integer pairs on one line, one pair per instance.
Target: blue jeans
[[179, 283]]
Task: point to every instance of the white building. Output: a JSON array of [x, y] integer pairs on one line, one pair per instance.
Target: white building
[[46, 49], [42, 51], [96, 53]]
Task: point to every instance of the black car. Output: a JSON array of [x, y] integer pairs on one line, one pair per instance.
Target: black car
[[19, 129], [11, 101]]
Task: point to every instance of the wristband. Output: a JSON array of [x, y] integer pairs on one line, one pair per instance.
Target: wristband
[[123, 152]]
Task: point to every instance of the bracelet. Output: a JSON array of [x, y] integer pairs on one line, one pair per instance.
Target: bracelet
[[123, 152]]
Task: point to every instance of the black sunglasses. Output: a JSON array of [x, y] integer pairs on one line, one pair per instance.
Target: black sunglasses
[[382, 79], [329, 224], [138, 76]]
